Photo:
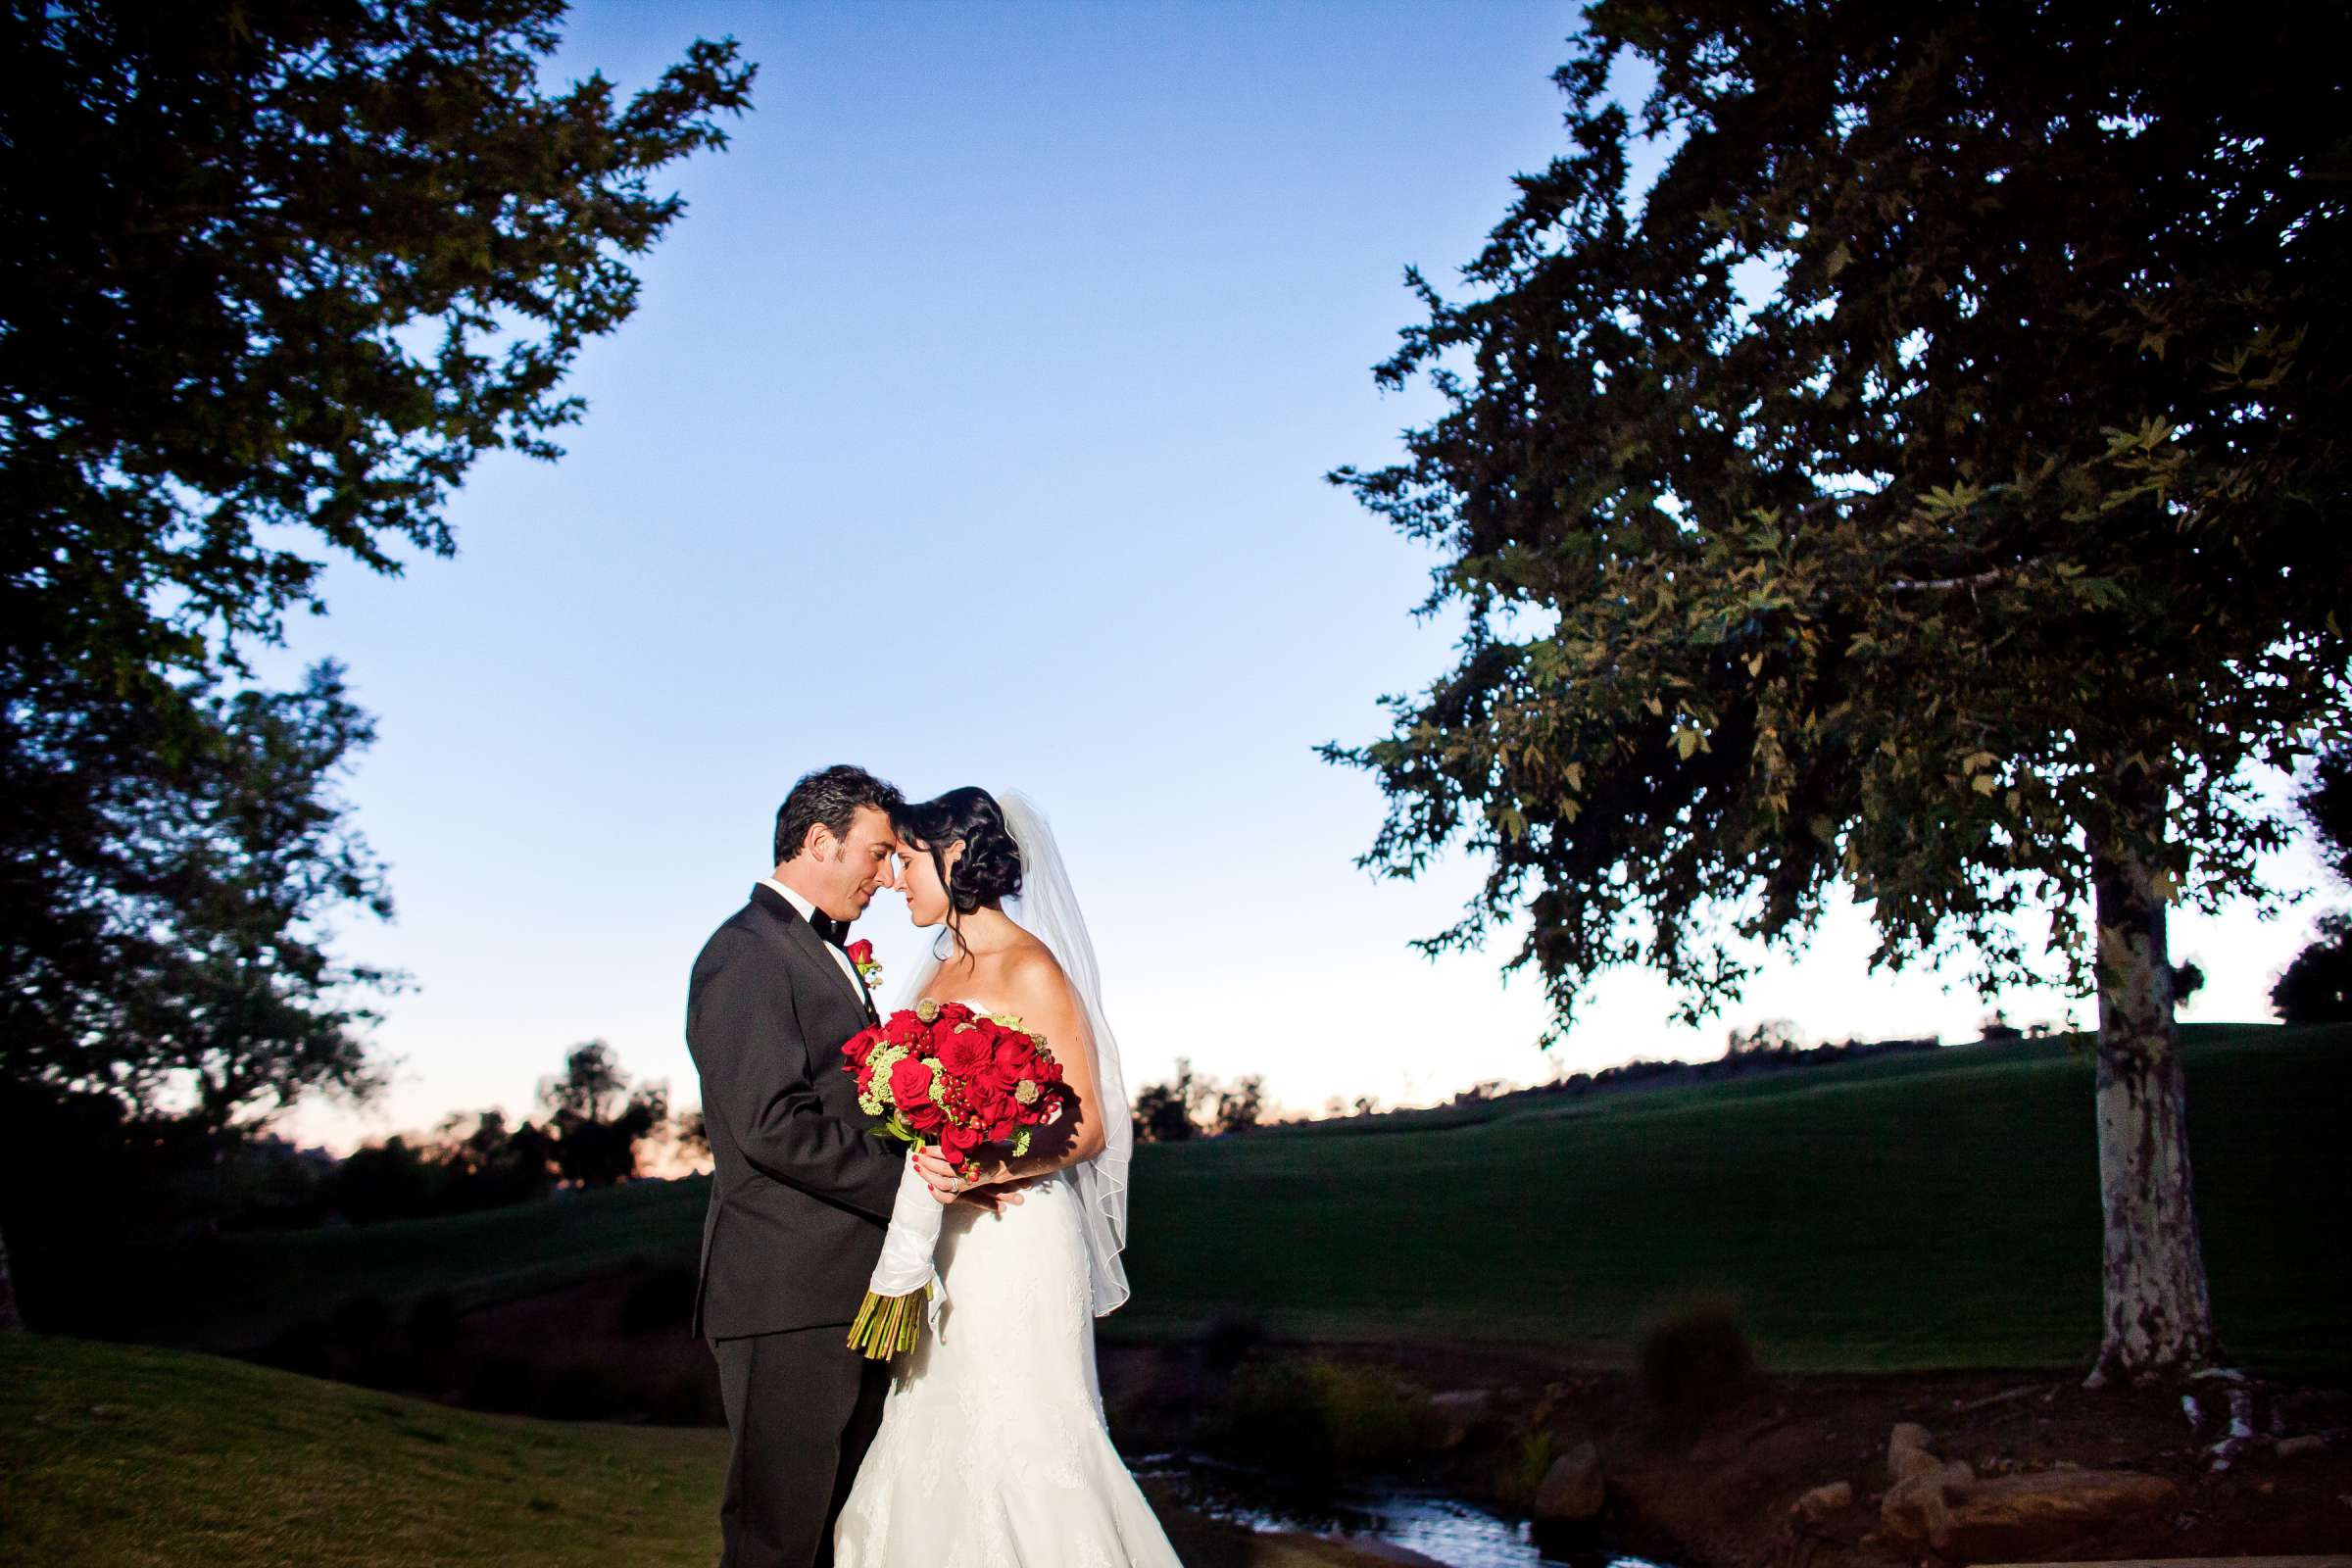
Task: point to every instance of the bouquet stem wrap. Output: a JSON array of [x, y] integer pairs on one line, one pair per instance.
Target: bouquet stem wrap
[[906, 1290]]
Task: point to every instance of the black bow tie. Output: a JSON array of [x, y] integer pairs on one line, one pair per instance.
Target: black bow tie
[[834, 931]]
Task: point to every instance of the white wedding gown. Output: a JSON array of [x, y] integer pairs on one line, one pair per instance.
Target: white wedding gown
[[993, 1451]]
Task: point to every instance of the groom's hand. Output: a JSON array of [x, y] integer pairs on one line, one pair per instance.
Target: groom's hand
[[997, 1198]]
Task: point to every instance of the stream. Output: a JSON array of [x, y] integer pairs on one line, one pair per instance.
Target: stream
[[1435, 1525]]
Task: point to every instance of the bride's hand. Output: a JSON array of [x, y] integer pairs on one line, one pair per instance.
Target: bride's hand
[[940, 1177]]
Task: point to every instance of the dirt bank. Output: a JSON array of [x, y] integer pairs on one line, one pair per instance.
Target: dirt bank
[[1719, 1491]]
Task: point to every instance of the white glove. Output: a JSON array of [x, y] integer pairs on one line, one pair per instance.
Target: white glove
[[906, 1265]]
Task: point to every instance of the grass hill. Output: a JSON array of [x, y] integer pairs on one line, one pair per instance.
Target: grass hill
[[121, 1456], [115, 1456], [1937, 1210], [1929, 1209]]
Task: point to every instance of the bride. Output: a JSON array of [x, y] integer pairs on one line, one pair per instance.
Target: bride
[[993, 1451]]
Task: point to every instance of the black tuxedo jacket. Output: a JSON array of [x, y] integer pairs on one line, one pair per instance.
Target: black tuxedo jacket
[[802, 1190]]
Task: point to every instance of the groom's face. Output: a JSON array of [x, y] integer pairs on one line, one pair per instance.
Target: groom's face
[[856, 866]]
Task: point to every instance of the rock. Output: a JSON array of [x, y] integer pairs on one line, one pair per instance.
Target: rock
[[1458, 1412], [1907, 1453], [1917, 1510], [1368, 1550], [1822, 1501], [2031, 1515], [1573, 1489], [2309, 1443]]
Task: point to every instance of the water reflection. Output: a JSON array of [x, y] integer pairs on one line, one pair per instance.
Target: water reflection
[[1444, 1528]]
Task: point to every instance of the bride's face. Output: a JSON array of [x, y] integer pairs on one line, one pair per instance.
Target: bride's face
[[919, 879]]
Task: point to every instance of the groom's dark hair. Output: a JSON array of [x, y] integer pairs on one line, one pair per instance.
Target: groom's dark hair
[[830, 795]]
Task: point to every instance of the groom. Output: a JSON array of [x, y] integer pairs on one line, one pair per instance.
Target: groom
[[800, 1193]]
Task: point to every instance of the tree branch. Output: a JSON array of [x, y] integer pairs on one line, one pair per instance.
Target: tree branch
[[1973, 580]]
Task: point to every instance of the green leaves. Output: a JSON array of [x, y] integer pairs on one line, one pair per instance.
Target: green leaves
[[298, 269], [2002, 489], [276, 277]]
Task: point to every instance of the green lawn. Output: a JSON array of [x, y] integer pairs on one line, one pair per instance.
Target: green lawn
[[123, 1457], [1931, 1210], [237, 1291], [1938, 1210], [116, 1457]]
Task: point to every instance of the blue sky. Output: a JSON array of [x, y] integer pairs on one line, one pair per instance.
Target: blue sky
[[972, 427]]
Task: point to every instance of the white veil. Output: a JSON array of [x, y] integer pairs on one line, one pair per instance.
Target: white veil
[[1047, 909]]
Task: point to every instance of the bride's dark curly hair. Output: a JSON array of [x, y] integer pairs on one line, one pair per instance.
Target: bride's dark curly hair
[[989, 871]]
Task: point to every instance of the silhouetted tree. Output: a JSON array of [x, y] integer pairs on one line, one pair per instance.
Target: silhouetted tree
[[1933, 482], [386, 1181], [2327, 806], [1195, 1104], [2316, 987], [1241, 1105], [488, 1164], [597, 1118], [694, 1133], [1767, 1033], [1163, 1113]]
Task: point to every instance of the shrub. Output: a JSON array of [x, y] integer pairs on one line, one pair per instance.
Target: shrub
[[688, 1399], [1229, 1342], [1523, 1472], [393, 1368], [1319, 1419], [1696, 1361], [305, 1346], [357, 1320], [503, 1383], [433, 1321], [582, 1391], [660, 1299]]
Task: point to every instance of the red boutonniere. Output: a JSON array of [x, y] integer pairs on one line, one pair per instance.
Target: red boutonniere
[[869, 970]]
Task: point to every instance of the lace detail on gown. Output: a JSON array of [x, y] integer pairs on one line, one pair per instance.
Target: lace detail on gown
[[993, 1451]]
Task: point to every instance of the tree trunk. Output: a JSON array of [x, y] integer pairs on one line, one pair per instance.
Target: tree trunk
[[2159, 1317], [11, 1322]]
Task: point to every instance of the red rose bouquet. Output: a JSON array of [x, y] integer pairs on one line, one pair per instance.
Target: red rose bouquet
[[947, 1077]]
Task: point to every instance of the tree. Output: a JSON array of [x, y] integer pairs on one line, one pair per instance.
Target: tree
[[220, 996], [597, 1118], [1163, 1113], [694, 1134], [2316, 987], [195, 993], [1768, 1034], [1996, 1026], [1240, 1104], [2327, 806], [1933, 484], [386, 1181], [277, 275], [488, 1164]]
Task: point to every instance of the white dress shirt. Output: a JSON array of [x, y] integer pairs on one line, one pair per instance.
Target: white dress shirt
[[808, 913]]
